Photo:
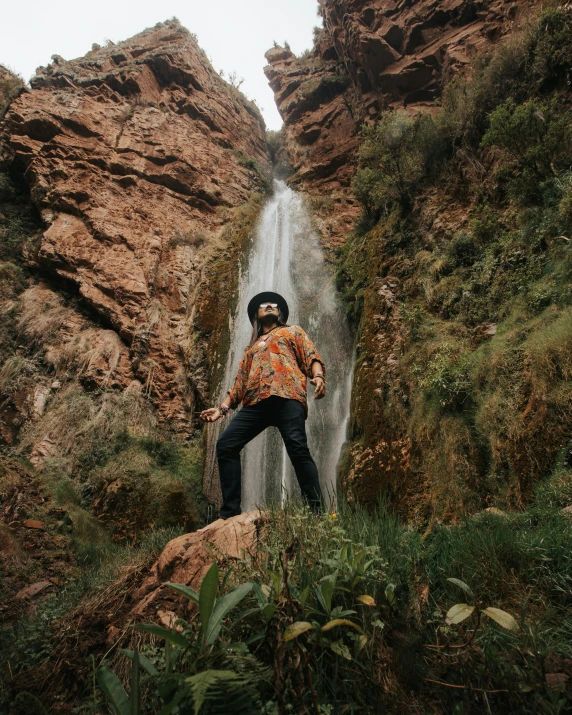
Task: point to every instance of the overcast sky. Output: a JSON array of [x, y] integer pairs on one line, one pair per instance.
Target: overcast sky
[[235, 34]]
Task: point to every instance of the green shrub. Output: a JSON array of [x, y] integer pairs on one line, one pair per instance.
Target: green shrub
[[551, 49], [446, 376], [395, 155], [12, 280], [462, 249], [534, 61], [535, 142], [485, 224], [565, 205], [352, 608], [11, 86]]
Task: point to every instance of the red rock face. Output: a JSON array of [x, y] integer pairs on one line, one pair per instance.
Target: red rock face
[[371, 55], [398, 50], [137, 155]]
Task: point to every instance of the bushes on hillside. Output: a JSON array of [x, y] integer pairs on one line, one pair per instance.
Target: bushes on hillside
[[495, 107], [395, 156], [535, 144], [118, 463], [475, 233]]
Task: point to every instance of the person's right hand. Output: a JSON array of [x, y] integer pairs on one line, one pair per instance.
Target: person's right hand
[[211, 415]]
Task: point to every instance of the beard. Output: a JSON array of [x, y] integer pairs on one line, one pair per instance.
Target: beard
[[268, 319]]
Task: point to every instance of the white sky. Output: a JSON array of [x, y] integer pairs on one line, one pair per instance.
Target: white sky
[[235, 34]]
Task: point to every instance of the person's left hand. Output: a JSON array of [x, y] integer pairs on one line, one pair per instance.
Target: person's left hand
[[320, 384]]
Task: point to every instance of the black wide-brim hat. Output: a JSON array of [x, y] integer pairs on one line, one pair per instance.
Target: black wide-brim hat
[[267, 297]]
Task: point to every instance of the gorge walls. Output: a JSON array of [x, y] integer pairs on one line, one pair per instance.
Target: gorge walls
[[144, 166], [371, 55], [411, 107]]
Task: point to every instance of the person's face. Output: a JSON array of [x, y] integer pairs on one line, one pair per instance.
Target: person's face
[[267, 309]]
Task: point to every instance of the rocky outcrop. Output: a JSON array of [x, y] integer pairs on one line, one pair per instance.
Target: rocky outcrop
[[398, 51], [186, 559], [316, 99], [371, 55], [137, 157]]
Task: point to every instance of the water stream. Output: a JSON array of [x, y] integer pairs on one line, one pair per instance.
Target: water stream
[[286, 257]]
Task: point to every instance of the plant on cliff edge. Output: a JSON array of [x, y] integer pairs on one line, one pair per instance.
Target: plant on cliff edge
[[201, 673], [535, 143], [395, 155]]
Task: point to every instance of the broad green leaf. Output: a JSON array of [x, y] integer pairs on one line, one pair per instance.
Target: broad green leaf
[[168, 709], [325, 592], [144, 662], [332, 563], [296, 629], [462, 585], [339, 612], [367, 600], [168, 657], [111, 686], [207, 596], [269, 610], [458, 613], [368, 564], [134, 682], [169, 636], [341, 622], [304, 596], [183, 590], [503, 618], [223, 606], [254, 638], [340, 648], [261, 596]]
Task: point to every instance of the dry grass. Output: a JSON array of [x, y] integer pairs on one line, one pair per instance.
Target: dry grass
[[77, 420], [90, 347], [42, 315], [14, 371]]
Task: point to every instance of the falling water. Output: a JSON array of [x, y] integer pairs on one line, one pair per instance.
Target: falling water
[[286, 258]]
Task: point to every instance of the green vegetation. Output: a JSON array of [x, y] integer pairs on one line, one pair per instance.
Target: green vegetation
[[116, 463], [468, 220], [357, 613], [28, 644]]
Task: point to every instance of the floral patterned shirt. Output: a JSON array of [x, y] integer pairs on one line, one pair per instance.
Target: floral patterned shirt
[[276, 364]]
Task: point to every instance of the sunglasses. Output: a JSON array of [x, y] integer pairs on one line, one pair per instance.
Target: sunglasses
[[265, 305]]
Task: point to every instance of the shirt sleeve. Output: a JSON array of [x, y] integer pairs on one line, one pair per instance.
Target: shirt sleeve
[[238, 389], [306, 353]]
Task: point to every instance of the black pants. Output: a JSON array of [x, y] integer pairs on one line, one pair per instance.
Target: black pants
[[289, 417]]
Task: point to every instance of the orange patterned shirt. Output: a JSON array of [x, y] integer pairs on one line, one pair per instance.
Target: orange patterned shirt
[[276, 364]]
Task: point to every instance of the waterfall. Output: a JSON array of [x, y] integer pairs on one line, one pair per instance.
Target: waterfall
[[286, 258]]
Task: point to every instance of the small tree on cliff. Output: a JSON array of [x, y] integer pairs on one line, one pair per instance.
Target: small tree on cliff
[[395, 155]]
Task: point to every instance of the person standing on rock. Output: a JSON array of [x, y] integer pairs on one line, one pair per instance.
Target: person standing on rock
[[271, 385]]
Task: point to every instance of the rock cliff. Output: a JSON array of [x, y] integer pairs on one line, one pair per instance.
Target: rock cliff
[[137, 157], [371, 55], [442, 259]]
